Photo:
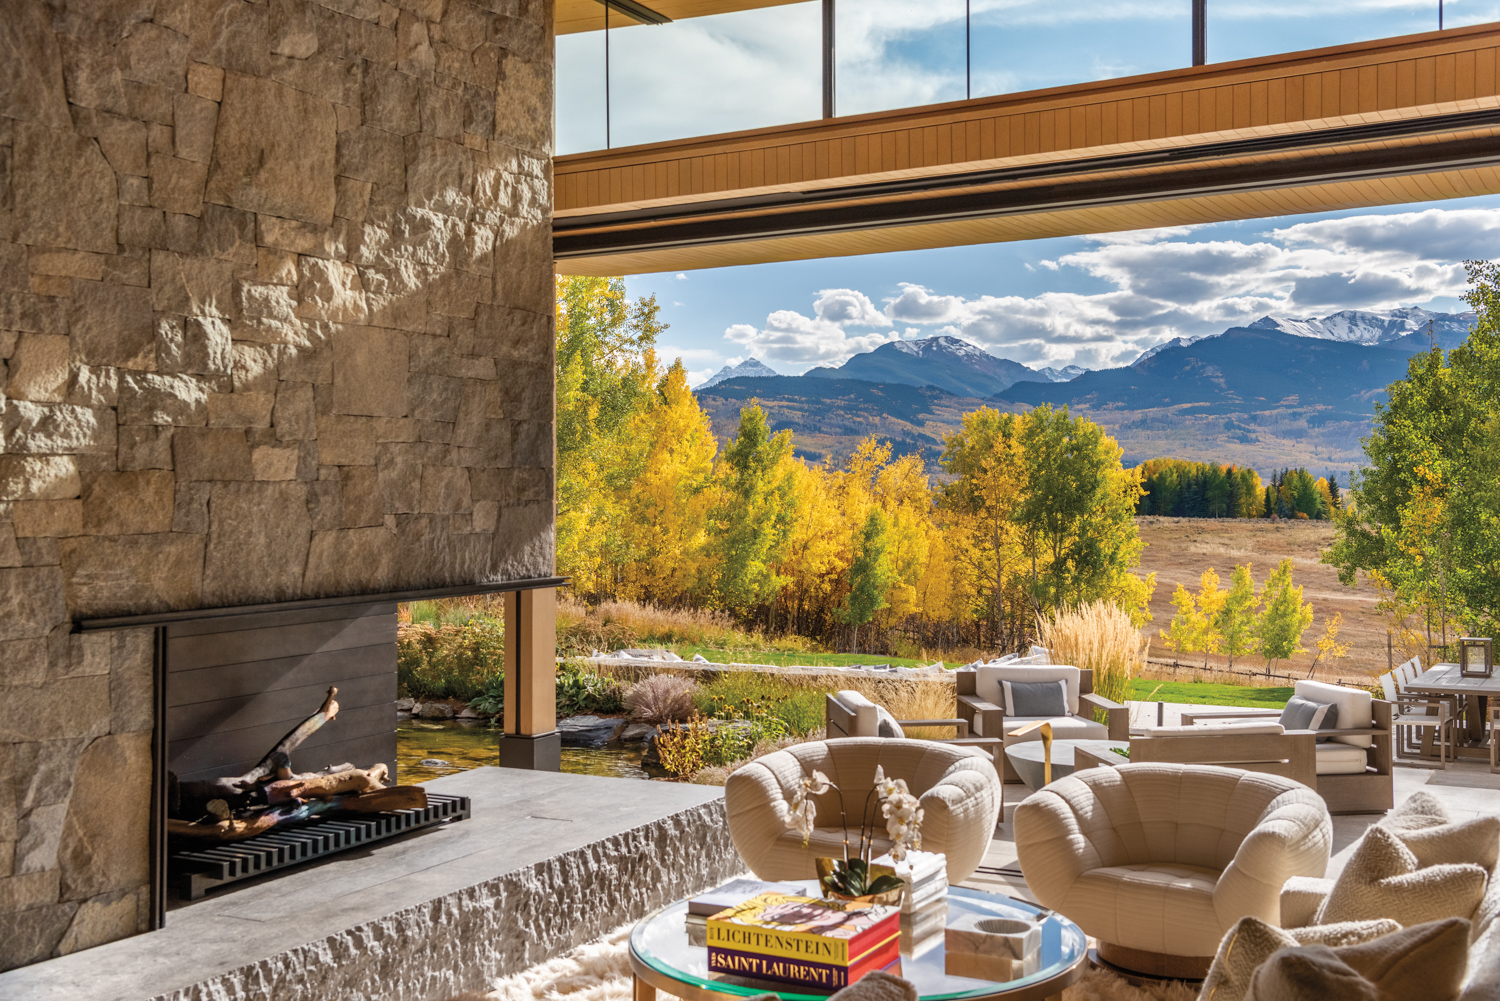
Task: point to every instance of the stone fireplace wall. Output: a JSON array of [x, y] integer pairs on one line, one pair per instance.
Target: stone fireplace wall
[[275, 313]]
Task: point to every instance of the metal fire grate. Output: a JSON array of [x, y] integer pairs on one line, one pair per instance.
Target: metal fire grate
[[195, 870]]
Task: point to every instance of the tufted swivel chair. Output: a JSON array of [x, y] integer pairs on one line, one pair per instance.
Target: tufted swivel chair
[[1157, 861], [958, 788]]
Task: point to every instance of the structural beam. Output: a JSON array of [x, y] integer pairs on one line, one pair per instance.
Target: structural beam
[[1397, 120], [529, 738]]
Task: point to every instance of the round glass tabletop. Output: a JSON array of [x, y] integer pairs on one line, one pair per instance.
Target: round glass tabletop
[[661, 943]]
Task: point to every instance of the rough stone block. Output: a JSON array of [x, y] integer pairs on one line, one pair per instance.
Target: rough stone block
[[150, 53], [297, 237], [400, 479], [369, 154], [330, 290], [49, 518], [369, 371], [177, 184], [277, 267], [193, 122], [39, 368], [334, 556], [445, 490], [33, 601], [196, 345], [192, 286], [434, 397], [31, 77], [294, 416], [139, 502], [144, 447], [346, 441], [205, 81], [391, 102], [227, 234], [111, 325], [147, 398], [105, 843], [240, 410], [212, 454], [360, 492], [271, 462], [191, 513], [41, 477], [33, 934], [39, 832], [257, 542], [105, 918], [117, 575], [94, 386], [274, 151], [64, 190], [353, 199], [51, 428]]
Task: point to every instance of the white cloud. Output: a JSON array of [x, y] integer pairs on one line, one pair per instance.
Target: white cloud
[[681, 277], [1158, 285], [847, 307]]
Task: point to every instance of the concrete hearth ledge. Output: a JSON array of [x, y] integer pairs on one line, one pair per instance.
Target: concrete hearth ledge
[[547, 861]]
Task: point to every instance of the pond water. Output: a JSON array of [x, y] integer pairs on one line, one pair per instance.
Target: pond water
[[464, 744]]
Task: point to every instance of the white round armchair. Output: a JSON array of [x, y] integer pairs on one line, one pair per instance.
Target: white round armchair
[[957, 786], [1157, 861]]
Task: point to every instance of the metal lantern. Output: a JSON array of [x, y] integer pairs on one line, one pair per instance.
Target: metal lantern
[[1476, 656]]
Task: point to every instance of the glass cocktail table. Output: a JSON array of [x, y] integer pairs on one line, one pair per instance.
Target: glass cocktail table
[[662, 957]]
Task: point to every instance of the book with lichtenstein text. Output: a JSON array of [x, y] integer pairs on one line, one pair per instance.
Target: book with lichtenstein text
[[803, 940]]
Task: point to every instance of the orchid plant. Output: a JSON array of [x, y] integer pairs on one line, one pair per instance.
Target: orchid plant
[[903, 822]]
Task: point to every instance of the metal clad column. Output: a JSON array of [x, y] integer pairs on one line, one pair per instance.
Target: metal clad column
[[531, 739]]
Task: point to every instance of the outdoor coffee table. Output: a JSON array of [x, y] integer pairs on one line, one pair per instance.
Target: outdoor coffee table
[[662, 958], [1027, 758]]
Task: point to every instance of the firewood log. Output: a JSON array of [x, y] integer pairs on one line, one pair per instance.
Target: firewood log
[[324, 786], [238, 789], [376, 801]]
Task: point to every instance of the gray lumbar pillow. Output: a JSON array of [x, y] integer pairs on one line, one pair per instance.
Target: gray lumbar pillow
[[1305, 714], [1036, 698]]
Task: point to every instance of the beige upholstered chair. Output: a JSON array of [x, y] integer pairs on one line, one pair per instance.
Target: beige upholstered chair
[[1354, 764], [1157, 861], [981, 701], [958, 788]]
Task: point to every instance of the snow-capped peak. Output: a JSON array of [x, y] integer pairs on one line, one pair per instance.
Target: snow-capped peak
[[1360, 326], [750, 368]]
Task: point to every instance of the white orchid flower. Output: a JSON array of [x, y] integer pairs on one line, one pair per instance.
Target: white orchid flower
[[817, 783]]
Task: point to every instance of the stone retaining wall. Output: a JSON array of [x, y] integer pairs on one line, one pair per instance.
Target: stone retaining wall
[[465, 940], [275, 311]]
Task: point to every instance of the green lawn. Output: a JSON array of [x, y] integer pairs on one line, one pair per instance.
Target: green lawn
[[781, 659], [1206, 694]]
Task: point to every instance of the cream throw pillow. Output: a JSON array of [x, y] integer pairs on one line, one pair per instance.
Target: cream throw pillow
[[1424, 963], [1423, 825], [1384, 880], [1252, 941]]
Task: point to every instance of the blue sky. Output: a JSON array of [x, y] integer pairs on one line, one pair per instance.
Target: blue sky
[[1093, 301]]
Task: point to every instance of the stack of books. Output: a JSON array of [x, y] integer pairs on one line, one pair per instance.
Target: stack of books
[[804, 940], [731, 894], [924, 905]]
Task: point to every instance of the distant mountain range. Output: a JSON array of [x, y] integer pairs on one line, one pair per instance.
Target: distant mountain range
[[750, 368], [1278, 391], [949, 363]]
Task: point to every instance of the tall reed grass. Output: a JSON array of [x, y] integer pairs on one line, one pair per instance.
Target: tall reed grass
[[1096, 636]]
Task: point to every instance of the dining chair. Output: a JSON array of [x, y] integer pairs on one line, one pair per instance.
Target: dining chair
[[1416, 714]]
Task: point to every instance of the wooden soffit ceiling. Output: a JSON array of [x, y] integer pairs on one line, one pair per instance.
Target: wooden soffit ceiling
[[570, 16], [1406, 119]]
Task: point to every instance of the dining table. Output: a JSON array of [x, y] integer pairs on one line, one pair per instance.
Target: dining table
[[1473, 693]]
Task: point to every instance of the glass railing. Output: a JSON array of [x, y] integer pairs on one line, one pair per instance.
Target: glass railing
[[758, 68]]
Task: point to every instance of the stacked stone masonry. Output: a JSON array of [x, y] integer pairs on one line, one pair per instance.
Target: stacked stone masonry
[[275, 315]]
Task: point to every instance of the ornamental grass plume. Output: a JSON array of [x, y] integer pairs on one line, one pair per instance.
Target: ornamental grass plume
[[1097, 636], [661, 698]]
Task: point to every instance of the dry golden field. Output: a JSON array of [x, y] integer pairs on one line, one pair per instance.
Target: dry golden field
[[1180, 549]]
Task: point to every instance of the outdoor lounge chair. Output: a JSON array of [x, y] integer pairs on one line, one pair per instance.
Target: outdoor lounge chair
[[1157, 861], [957, 786], [981, 702], [1254, 745], [1354, 763], [850, 714]]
